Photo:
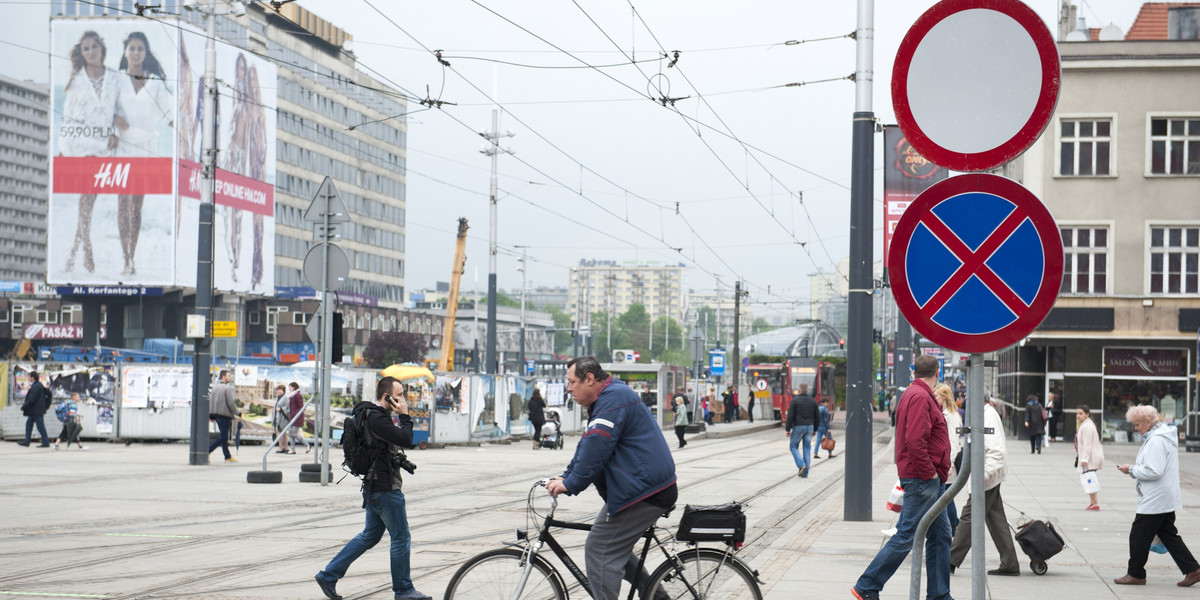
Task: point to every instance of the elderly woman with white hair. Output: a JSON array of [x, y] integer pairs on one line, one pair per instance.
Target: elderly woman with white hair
[[1157, 475]]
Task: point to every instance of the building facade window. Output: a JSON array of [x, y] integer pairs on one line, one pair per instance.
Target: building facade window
[[1174, 259], [1085, 147], [1175, 145], [1085, 259]]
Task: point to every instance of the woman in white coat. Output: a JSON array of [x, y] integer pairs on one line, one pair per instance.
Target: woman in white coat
[[87, 126], [144, 103], [945, 397], [1088, 449], [1159, 497]]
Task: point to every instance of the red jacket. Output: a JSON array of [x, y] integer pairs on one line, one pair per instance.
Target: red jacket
[[922, 443]]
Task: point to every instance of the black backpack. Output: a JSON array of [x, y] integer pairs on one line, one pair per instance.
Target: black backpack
[[358, 451]]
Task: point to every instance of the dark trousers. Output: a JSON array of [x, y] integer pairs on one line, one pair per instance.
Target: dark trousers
[[997, 526], [1142, 533], [223, 424], [70, 432], [1035, 442], [40, 422], [750, 410], [679, 431]]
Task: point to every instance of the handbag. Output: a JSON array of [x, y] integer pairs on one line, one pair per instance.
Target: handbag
[[1090, 482], [895, 500], [828, 443]]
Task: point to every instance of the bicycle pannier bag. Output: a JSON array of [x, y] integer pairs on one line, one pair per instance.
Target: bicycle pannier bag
[[723, 523]]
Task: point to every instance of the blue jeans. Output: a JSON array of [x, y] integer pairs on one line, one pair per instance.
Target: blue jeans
[[223, 424], [40, 422], [952, 514], [802, 433], [385, 510], [918, 497], [822, 433]]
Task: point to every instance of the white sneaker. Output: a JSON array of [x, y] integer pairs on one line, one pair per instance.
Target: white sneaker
[[83, 447]]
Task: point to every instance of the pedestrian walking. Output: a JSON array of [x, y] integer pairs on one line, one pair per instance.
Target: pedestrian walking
[[223, 408], [1088, 451], [923, 463], [296, 412], [802, 419], [35, 406], [1054, 412], [727, 397], [1156, 471], [68, 414], [383, 500], [750, 406], [537, 416], [945, 397], [995, 470], [823, 417], [707, 412], [1035, 423], [281, 419], [681, 420]]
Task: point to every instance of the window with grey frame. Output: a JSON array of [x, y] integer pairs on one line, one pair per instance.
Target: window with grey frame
[[1175, 145], [1085, 260], [1085, 147], [1174, 259]]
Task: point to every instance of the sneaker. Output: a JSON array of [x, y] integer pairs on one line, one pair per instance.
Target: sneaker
[[231, 460], [56, 448], [84, 447], [804, 471], [329, 589], [413, 595], [862, 595]]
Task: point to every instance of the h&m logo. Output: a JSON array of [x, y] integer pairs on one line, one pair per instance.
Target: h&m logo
[[112, 175]]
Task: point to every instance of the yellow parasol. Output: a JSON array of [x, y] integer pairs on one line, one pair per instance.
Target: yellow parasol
[[408, 371]]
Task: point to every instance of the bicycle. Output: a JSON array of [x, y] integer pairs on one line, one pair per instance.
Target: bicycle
[[520, 572]]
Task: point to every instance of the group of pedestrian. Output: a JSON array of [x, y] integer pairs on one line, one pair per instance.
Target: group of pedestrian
[[289, 418]]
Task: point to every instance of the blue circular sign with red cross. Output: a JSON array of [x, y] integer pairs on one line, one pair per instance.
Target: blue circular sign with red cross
[[975, 263]]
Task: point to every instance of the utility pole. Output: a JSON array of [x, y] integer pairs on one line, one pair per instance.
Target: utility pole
[[521, 351], [738, 292], [493, 151], [857, 502], [198, 445]]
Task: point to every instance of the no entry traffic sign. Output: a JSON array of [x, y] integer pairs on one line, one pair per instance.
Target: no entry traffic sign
[[976, 263], [975, 82]]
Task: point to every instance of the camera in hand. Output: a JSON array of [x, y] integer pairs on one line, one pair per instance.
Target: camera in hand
[[400, 461]]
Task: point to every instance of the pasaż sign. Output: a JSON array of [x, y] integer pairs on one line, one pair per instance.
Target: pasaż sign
[[976, 263], [46, 331], [1148, 362], [975, 82], [905, 175]]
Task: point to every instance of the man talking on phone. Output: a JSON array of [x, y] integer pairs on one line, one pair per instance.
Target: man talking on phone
[[382, 498]]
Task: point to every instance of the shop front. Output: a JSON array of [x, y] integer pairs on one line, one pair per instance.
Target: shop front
[[1142, 376]]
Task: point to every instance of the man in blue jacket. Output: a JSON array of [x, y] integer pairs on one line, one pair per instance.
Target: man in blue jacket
[[624, 454]]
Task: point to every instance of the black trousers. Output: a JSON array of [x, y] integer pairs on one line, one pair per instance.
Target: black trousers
[[679, 431], [1141, 535]]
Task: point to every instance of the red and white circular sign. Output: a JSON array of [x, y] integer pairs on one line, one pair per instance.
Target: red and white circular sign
[[975, 82]]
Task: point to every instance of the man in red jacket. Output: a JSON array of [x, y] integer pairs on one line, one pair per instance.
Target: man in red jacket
[[923, 463]]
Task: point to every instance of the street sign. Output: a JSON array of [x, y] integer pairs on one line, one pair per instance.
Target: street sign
[[313, 329], [339, 266], [976, 263], [975, 82], [716, 363], [761, 384], [224, 329], [327, 200]]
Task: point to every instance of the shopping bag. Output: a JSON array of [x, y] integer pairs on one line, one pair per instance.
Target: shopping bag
[[896, 498], [828, 444], [1090, 482]]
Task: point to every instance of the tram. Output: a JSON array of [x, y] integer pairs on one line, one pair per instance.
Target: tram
[[781, 381]]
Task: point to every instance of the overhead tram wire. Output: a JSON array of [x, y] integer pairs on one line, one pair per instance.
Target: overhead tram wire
[[735, 138]]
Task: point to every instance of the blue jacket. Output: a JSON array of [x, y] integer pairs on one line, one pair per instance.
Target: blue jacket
[[622, 451], [823, 421]]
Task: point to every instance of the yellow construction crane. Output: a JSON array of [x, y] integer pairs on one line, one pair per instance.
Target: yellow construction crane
[[456, 271]]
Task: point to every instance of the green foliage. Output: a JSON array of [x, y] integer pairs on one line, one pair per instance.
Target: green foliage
[[502, 299], [761, 325], [632, 330], [562, 322]]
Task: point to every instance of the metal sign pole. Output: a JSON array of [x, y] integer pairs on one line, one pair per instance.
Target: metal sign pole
[[326, 356], [975, 410]]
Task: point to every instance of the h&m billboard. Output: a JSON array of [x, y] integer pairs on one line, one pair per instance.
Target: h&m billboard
[[126, 117]]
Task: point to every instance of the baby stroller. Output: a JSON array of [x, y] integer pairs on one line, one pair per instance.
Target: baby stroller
[[1039, 541], [552, 431]]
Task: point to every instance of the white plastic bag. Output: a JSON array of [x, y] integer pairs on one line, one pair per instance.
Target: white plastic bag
[[896, 499], [1090, 482]]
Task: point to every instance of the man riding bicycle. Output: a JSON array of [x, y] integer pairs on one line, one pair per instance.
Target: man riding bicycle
[[624, 454]]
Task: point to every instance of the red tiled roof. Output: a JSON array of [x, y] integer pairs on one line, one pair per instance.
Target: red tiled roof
[[1151, 22]]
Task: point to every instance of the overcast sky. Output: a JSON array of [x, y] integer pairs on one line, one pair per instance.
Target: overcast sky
[[599, 170]]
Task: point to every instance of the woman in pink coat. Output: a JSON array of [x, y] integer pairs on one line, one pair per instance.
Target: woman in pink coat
[[1088, 449]]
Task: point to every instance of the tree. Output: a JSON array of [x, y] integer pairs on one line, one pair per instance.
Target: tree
[[387, 348], [761, 325], [502, 299], [562, 323]]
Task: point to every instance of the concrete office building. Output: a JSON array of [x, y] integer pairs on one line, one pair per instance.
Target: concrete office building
[[611, 287], [24, 135]]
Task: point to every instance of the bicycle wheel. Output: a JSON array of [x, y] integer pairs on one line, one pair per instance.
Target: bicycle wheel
[[494, 575], [703, 574]]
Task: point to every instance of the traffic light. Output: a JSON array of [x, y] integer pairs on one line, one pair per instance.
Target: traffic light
[[877, 336], [842, 344], [335, 345]]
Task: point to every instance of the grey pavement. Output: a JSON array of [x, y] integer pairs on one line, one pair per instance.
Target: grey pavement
[[124, 522]]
